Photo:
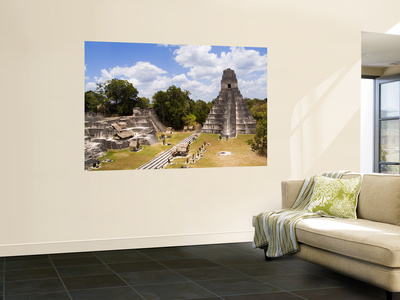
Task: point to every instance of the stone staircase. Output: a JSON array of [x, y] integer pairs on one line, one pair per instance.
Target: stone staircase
[[162, 159]]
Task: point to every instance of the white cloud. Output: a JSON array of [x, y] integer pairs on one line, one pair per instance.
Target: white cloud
[[148, 89], [198, 90], [191, 55], [247, 61], [203, 76], [144, 76], [254, 88], [105, 75], [161, 83], [91, 86], [141, 71], [203, 64]]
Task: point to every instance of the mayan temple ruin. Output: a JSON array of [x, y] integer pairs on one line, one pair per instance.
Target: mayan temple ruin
[[229, 115], [103, 134]]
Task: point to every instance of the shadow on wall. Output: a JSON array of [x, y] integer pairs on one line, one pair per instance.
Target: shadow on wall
[[323, 122]]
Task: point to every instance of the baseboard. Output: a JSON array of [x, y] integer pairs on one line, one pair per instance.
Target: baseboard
[[125, 243]]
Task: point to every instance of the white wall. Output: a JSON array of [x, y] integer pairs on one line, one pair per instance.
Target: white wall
[[49, 204], [367, 126]]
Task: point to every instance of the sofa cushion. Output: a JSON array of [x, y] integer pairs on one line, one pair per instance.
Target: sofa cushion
[[335, 197], [379, 198], [362, 239]]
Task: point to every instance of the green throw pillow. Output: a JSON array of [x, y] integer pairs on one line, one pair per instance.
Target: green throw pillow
[[335, 197]]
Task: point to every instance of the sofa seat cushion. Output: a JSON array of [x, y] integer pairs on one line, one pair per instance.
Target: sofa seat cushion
[[361, 239]]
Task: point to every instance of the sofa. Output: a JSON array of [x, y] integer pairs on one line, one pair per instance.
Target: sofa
[[367, 248]]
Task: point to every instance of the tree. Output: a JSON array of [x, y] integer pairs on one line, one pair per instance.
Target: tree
[[160, 100], [189, 120], [201, 110], [122, 96], [259, 111], [143, 102], [257, 107], [91, 101], [97, 102], [260, 142], [171, 106]]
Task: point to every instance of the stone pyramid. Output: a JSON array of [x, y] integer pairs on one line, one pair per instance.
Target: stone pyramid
[[229, 115]]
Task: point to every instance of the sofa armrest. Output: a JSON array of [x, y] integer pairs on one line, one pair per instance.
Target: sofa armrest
[[290, 191]]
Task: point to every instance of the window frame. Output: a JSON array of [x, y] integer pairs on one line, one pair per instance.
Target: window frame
[[378, 119]]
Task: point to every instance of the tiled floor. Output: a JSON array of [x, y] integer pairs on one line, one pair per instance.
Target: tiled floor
[[211, 272]]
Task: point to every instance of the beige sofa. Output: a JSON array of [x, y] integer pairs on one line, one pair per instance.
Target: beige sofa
[[368, 248]]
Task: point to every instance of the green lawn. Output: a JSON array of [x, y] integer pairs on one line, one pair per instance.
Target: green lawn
[[241, 154]]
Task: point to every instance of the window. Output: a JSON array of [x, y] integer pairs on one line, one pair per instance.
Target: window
[[387, 125]]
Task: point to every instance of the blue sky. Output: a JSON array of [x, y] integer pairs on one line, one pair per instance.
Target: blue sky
[[198, 69]]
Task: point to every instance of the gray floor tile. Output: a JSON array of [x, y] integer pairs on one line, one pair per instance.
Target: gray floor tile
[[26, 258], [84, 270], [78, 260], [136, 267], [295, 282], [31, 274], [33, 286], [302, 265], [237, 259], [237, 286], [268, 296], [92, 282], [152, 277], [212, 250], [232, 271], [43, 296], [120, 256], [175, 291], [188, 263], [218, 272], [245, 247], [120, 293], [208, 298], [348, 293], [168, 253], [266, 269], [27, 262]]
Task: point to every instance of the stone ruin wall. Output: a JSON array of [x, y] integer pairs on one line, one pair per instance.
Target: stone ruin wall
[[101, 133]]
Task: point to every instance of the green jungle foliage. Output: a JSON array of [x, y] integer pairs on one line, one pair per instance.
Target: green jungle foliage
[[259, 110], [114, 97], [174, 108]]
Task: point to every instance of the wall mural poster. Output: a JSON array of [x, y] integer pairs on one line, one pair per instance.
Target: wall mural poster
[[157, 106]]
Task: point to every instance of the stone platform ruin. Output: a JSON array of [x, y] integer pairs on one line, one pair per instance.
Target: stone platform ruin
[[229, 115], [102, 134]]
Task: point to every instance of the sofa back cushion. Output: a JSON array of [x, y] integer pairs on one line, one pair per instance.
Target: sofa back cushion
[[379, 198]]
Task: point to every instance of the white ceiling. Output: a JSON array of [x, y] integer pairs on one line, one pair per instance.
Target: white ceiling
[[380, 50]]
